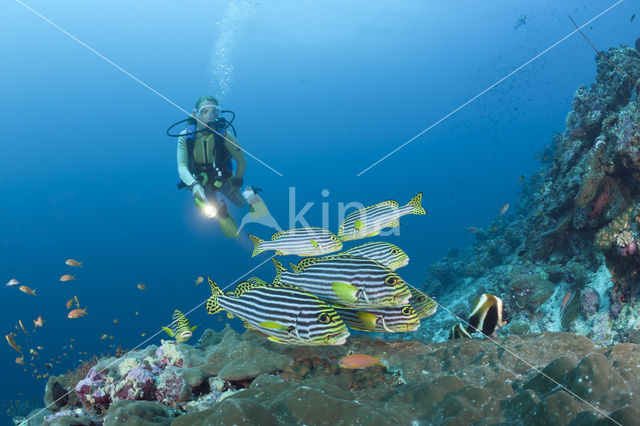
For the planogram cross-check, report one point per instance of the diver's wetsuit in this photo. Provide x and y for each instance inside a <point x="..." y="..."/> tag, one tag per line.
<point x="202" y="160"/>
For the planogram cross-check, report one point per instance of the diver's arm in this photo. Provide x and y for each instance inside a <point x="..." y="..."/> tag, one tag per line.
<point x="183" y="162"/>
<point x="236" y="153"/>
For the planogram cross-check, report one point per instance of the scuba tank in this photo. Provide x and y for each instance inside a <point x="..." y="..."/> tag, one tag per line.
<point x="257" y="207"/>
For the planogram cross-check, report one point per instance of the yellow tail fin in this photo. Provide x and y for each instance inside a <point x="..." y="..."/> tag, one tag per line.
<point x="416" y="202"/>
<point x="256" y="248"/>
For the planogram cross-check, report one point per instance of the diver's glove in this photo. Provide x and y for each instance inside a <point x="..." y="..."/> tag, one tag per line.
<point x="198" y="191"/>
<point x="236" y="181"/>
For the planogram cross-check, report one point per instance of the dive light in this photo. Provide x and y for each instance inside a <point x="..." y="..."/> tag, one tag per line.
<point x="207" y="208"/>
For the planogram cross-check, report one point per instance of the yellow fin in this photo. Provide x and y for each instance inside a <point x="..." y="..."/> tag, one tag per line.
<point x="368" y="319"/>
<point x="273" y="324"/>
<point x="391" y="203"/>
<point x="345" y="291"/>
<point x="280" y="269"/>
<point x="306" y="262"/>
<point x="193" y="328"/>
<point x="275" y="339"/>
<point x="394" y="223"/>
<point x="416" y="203"/>
<point x="256" y="248"/>
<point x="169" y="331"/>
<point x="248" y="326"/>
<point x="358" y="225"/>
<point x="315" y="244"/>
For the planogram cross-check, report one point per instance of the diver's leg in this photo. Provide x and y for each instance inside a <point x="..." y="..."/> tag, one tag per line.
<point x="233" y="194"/>
<point x="227" y="225"/>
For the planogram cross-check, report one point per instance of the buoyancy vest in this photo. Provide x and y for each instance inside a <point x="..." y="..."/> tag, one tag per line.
<point x="220" y="166"/>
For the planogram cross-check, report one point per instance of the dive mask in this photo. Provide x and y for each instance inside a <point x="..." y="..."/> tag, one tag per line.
<point x="207" y="112"/>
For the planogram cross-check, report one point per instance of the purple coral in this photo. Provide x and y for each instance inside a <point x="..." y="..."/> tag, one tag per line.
<point x="590" y="302"/>
<point x="629" y="249"/>
<point x="166" y="360"/>
<point x="171" y="388"/>
<point x="137" y="384"/>
<point x="90" y="391"/>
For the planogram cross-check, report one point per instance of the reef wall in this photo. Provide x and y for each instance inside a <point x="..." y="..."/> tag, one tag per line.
<point x="568" y="257"/>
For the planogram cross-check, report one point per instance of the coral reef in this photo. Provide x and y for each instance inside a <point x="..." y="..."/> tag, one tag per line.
<point x="453" y="382"/>
<point x="568" y="259"/>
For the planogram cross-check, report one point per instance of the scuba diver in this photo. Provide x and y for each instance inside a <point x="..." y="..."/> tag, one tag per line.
<point x="205" y="150"/>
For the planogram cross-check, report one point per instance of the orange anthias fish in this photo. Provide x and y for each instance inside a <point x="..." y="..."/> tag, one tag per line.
<point x="504" y="209"/>
<point x="73" y="262"/>
<point x="67" y="277"/>
<point x="22" y="327"/>
<point x="69" y="303"/>
<point x="142" y="286"/>
<point x="27" y="290"/>
<point x="12" y="343"/>
<point x="20" y="360"/>
<point x="38" y="322"/>
<point x="77" y="313"/>
<point x="199" y="280"/>
<point x="77" y="301"/>
<point x="472" y="229"/>
<point x="357" y="361"/>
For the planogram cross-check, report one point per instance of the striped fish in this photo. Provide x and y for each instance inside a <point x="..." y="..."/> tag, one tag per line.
<point x="180" y="327"/>
<point x="486" y="315"/>
<point x="349" y="281"/>
<point x="301" y="241"/>
<point x="459" y="332"/>
<point x="369" y="221"/>
<point x="285" y="313"/>
<point x="422" y="303"/>
<point x="392" y="319"/>
<point x="388" y="254"/>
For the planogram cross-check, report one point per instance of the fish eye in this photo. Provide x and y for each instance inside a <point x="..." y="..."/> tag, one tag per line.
<point x="391" y="280"/>
<point x="406" y="310"/>
<point x="395" y="251"/>
<point x="324" y="318"/>
<point x="334" y="238"/>
<point x="420" y="299"/>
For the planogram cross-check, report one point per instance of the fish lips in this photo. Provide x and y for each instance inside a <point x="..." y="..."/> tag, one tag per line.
<point x="338" y="338"/>
<point x="184" y="336"/>
<point x="405" y="298"/>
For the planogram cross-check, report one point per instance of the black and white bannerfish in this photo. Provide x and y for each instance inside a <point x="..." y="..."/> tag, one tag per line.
<point x="369" y="221"/>
<point x="486" y="315"/>
<point x="423" y="304"/>
<point x="392" y="319"/>
<point x="459" y="332"/>
<point x="349" y="281"/>
<point x="180" y="327"/>
<point x="302" y="242"/>
<point x="284" y="313"/>
<point x="388" y="254"/>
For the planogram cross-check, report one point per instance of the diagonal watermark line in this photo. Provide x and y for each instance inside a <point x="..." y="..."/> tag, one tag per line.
<point x="382" y="159"/>
<point x="489" y="88"/>
<point x="26" y="421"/>
<point x="532" y="366"/>
<point x="128" y="74"/>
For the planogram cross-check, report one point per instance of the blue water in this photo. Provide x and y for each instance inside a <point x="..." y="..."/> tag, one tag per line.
<point x="321" y="90"/>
